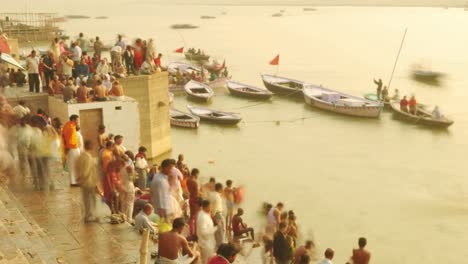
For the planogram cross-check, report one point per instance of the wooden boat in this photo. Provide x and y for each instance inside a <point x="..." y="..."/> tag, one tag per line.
<point x="283" y="86"/>
<point x="181" y="119"/>
<point x="426" y="75"/>
<point x="341" y="103"/>
<point x="198" y="91"/>
<point x="182" y="67"/>
<point x="215" y="67"/>
<point x="218" y="83"/>
<point x="183" y="26"/>
<point x="215" y="116"/>
<point x="309" y="9"/>
<point x="248" y="91"/>
<point x="422" y="117"/>
<point x="196" y="57"/>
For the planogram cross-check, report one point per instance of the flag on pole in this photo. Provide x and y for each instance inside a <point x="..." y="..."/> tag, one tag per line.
<point x="179" y="50"/>
<point x="275" y="61"/>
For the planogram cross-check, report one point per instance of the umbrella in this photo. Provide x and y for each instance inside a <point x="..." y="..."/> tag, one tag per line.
<point x="8" y="59"/>
<point x="4" y="47"/>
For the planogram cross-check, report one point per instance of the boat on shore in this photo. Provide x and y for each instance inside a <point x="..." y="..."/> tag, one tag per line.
<point x="198" y="91"/>
<point x="341" y="103"/>
<point x="248" y="91"/>
<point x="422" y="117"/>
<point x="215" y="116"/>
<point x="181" y="119"/>
<point x="283" y="86"/>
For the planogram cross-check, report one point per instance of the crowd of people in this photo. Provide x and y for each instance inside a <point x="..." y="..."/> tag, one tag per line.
<point x="81" y="63"/>
<point x="164" y="198"/>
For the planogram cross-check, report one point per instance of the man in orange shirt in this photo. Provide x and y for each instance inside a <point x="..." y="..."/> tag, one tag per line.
<point x="361" y="256"/>
<point x="70" y="142"/>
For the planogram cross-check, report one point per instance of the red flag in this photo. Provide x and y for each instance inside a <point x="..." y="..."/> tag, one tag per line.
<point x="275" y="61"/>
<point x="179" y="50"/>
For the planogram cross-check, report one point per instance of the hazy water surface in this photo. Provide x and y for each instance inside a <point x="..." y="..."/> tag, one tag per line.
<point x="401" y="186"/>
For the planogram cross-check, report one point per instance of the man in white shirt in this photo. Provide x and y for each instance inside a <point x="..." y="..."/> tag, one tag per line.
<point x="103" y="67"/>
<point x="21" y="109"/>
<point x="329" y="253"/>
<point x="160" y="190"/>
<point x="216" y="201"/>
<point x="142" y="221"/>
<point x="32" y="65"/>
<point x="205" y="232"/>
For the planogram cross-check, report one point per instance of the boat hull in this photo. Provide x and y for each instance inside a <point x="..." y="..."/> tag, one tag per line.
<point x="367" y="112"/>
<point x="256" y="96"/>
<point x="419" y="120"/>
<point x="199" y="98"/>
<point x="185" y="123"/>
<point x="220" y="121"/>
<point x="282" y="90"/>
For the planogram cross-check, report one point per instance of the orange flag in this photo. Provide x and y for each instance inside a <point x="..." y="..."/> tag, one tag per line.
<point x="179" y="50"/>
<point x="275" y="61"/>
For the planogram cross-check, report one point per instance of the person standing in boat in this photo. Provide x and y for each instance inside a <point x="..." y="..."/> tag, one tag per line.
<point x="379" y="84"/>
<point x="385" y="94"/>
<point x="436" y="113"/>
<point x="404" y="104"/>
<point x="396" y="95"/>
<point x="412" y="105"/>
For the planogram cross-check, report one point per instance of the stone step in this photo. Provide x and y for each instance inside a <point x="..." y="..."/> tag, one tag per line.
<point x="22" y="240"/>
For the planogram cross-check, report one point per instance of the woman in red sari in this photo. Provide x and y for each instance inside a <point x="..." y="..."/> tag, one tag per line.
<point x="112" y="185"/>
<point x="138" y="54"/>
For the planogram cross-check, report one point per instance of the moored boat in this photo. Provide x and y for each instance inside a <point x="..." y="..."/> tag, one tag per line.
<point x="181" y="119"/>
<point x="422" y="117"/>
<point x="341" y="103"/>
<point x="387" y="103"/>
<point x="283" y="86"/>
<point x="198" y="91"/>
<point x="248" y="91"/>
<point x="215" y="116"/>
<point x="196" y="57"/>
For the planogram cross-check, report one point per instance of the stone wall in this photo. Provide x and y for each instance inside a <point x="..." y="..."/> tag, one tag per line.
<point x="151" y="92"/>
<point x="119" y="117"/>
<point x="33" y="101"/>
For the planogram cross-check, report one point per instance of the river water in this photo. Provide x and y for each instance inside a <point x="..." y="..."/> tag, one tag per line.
<point x="403" y="187"/>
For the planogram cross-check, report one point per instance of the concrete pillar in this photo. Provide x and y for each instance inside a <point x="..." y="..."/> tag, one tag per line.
<point x="151" y="93"/>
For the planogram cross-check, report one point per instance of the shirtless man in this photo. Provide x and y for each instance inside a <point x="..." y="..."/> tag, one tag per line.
<point x="116" y="89"/>
<point x="208" y="187"/>
<point x="102" y="136"/>
<point x="229" y="196"/>
<point x="100" y="92"/>
<point x="170" y="244"/>
<point x="239" y="227"/>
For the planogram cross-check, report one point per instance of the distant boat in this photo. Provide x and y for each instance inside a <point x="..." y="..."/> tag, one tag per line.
<point x="283" y="86"/>
<point x="422" y="118"/>
<point x="101" y="17"/>
<point x="183" y="26"/>
<point x="207" y="17"/>
<point x="77" y="17"/>
<point x="309" y="9"/>
<point x="196" y="57"/>
<point x="277" y="15"/>
<point x="198" y="91"/>
<point x="220" y="117"/>
<point x="181" y="119"/>
<point x="341" y="103"/>
<point x="424" y="74"/>
<point x="248" y="91"/>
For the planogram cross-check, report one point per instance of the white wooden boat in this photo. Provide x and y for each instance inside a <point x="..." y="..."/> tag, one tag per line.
<point x="215" y="116"/>
<point x="341" y="103"/>
<point x="181" y="119"/>
<point x="198" y="91"/>
<point x="248" y="91"/>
